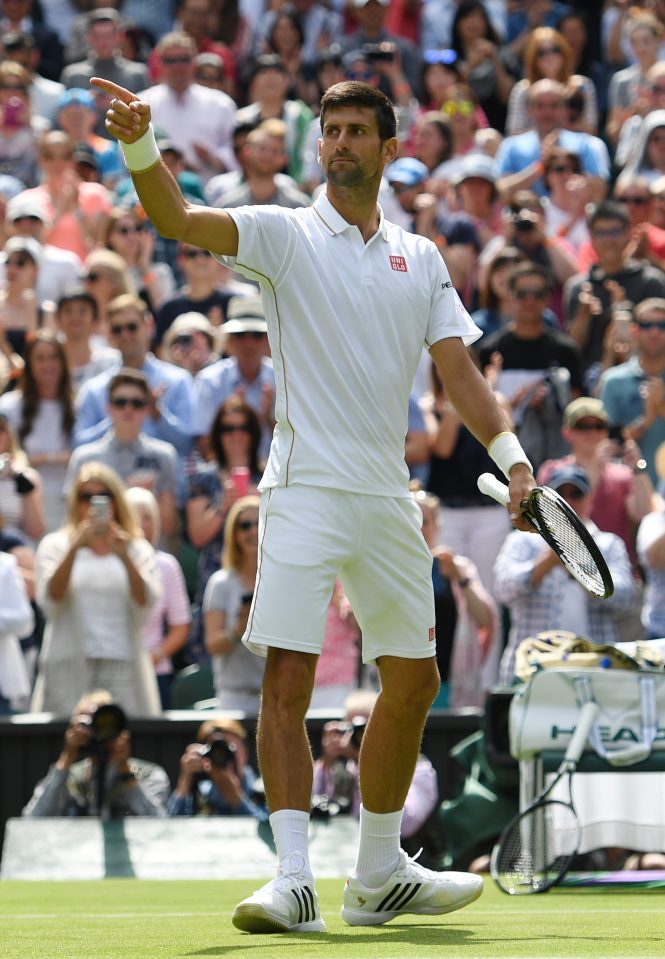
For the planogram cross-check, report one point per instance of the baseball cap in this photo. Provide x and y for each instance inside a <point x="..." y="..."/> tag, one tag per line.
<point x="476" y="165"/>
<point x="24" y="244"/>
<point x="78" y="97"/>
<point x="191" y="322"/>
<point x="571" y="474"/>
<point x="582" y="407"/>
<point x="408" y="171"/>
<point x="20" y="206"/>
<point x="244" y="314"/>
<point x="85" y="154"/>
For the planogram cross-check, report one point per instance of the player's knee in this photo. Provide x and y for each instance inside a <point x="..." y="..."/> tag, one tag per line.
<point x="288" y="682"/>
<point x="412" y="685"/>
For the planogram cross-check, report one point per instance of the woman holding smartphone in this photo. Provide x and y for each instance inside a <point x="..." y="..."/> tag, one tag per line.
<point x="96" y="581"/>
<point x="237" y="673"/>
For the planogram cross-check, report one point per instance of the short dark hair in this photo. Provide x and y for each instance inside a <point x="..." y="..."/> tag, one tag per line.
<point x="351" y="93"/>
<point x="608" y="210"/>
<point x="75" y="293"/>
<point x="530" y="269"/>
<point x="129" y="377"/>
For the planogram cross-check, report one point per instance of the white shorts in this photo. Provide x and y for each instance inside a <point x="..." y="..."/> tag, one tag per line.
<point x="309" y="535"/>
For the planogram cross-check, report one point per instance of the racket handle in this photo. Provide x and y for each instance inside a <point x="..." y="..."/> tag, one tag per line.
<point x="578" y="739"/>
<point x="491" y="486"/>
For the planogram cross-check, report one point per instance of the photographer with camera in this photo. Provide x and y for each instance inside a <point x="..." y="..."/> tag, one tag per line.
<point x="215" y="777"/>
<point x="95" y="774"/>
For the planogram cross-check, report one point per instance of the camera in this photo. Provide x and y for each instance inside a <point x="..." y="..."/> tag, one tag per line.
<point x="220" y="752"/>
<point x="105" y="724"/>
<point x="379" y="52"/>
<point x="524" y="221"/>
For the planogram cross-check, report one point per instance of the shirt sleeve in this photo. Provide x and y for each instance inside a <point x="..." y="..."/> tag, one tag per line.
<point x="176" y="601"/>
<point x="265" y="242"/>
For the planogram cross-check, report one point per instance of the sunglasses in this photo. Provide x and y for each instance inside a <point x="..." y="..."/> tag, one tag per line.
<point x="128" y="229"/>
<point x="612" y="233"/>
<point x="540" y="294"/>
<point x="93" y="277"/>
<point x="246" y="524"/>
<point x="544" y="51"/>
<point x="227" y="428"/>
<point x="254" y="334"/>
<point x="453" y="107"/>
<point x="571" y="493"/>
<point x="122" y="402"/>
<point x="401" y="187"/>
<point x="652" y="325"/>
<point x="635" y="200"/>
<point x="561" y="168"/>
<point x="193" y="254"/>
<point x="85" y="497"/>
<point x="589" y="427"/>
<point x="117" y="329"/>
<point x="185" y="340"/>
<point x="18" y="260"/>
<point x="172" y="61"/>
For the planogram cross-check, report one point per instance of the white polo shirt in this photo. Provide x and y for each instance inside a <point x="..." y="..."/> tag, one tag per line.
<point x="347" y="321"/>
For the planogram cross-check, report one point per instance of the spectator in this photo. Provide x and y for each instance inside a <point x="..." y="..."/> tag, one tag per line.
<point x="645" y="33"/>
<point x="322" y="27"/>
<point x="567" y="198"/>
<point x="18" y="140"/>
<point x="77" y="116"/>
<point x="433" y="143"/>
<point x="75" y="320"/>
<point x="18" y="15"/>
<point x="197" y="119"/>
<point x="165" y="631"/>
<point x="547" y="55"/>
<point x="58" y="268"/>
<point x="234" y="438"/>
<point x="202" y="292"/>
<point x="267" y="95"/>
<point x="437" y="22"/>
<point x="286" y="37"/>
<point x="216" y="778"/>
<point x="21" y="500"/>
<point x="539" y="368"/>
<point x="247" y="370"/>
<point x="20" y="310"/>
<point x="209" y="71"/>
<point x="647" y="158"/>
<point x="264" y="156"/>
<point x="466" y="617"/>
<point x="633" y="393"/>
<point x="647" y="241"/>
<point x="574" y="26"/>
<point x="496" y="302"/>
<point x="384" y="71"/>
<point x="532" y="582"/>
<point x="238" y="674"/>
<point x="195" y="18"/>
<point x="441" y="71"/>
<point x="476" y="195"/>
<point x="337" y="668"/>
<point x="19" y="47"/>
<point x="41" y="412"/>
<point x="650" y="97"/>
<point x="370" y="17"/>
<point x="523" y="18"/>
<point x="460" y="107"/>
<point x="485" y="66"/>
<point x="96" y="582"/>
<point x="74" y="209"/>
<point x="134" y="240"/>
<point x="98" y="744"/>
<point x="106" y="277"/>
<point x="16" y="621"/>
<point x="615" y="278"/>
<point x="190" y="343"/>
<point x="232" y="25"/>
<point x="138" y="459"/>
<point x="520" y="158"/>
<point x="170" y="417"/>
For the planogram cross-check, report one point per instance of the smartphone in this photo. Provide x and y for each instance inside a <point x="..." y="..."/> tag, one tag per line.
<point x="100" y="508"/>
<point x="14" y="113"/>
<point x="240" y="477"/>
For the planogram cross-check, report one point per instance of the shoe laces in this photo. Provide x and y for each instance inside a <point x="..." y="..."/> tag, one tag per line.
<point x="292" y="866"/>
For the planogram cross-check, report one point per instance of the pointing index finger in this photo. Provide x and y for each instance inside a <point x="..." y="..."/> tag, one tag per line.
<point x="114" y="89"/>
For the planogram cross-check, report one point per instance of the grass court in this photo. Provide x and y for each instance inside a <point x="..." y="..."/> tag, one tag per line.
<point x="141" y="919"/>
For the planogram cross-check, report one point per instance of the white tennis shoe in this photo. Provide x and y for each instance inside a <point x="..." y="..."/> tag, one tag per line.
<point x="286" y="904"/>
<point x="410" y="889"/>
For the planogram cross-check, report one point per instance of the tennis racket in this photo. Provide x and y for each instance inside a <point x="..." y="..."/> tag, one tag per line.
<point x="536" y="848"/>
<point x="562" y="530"/>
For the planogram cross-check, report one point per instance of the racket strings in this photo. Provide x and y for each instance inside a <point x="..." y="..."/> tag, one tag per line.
<point x="536" y="849"/>
<point x="571" y="545"/>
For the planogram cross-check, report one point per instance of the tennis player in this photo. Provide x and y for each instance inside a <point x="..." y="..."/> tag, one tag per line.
<point x="350" y="300"/>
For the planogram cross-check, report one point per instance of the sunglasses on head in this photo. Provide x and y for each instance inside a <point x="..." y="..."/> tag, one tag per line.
<point x="122" y="402"/>
<point x="246" y="524"/>
<point x="539" y="294"/>
<point x="227" y="428"/>
<point x="652" y="325"/>
<point x="193" y="254"/>
<point x="453" y="107"/>
<point x="117" y="328"/>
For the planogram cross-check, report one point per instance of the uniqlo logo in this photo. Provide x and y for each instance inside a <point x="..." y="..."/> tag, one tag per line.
<point x="399" y="263"/>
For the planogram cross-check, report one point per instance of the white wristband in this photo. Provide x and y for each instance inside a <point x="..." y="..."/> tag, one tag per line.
<point x="143" y="153"/>
<point x="506" y="451"/>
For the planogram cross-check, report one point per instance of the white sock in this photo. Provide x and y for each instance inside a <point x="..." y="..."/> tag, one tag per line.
<point x="290" y="829"/>
<point x="378" y="851"/>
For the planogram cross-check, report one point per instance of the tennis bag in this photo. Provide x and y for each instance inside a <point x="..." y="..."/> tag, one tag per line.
<point x="631" y="719"/>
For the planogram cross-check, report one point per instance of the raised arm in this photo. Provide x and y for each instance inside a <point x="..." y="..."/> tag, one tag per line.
<point x="128" y="120"/>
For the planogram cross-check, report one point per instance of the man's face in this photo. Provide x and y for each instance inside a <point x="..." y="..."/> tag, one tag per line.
<point x="350" y="149"/>
<point x="406" y="194"/>
<point x="248" y="346"/>
<point x="75" y="319"/>
<point x="130" y="333"/>
<point x="586" y="434"/>
<point x="195" y="17"/>
<point x="636" y="200"/>
<point x="529" y="295"/>
<point x="178" y="67"/>
<point x="548" y="111"/>
<point x="104" y="39"/>
<point x="128" y="407"/>
<point x="265" y="154"/>
<point x="608" y="238"/>
<point x="649" y="332"/>
<point x="371" y="16"/>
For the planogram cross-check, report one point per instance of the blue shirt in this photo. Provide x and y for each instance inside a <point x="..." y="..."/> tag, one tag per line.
<point x="174" y="424"/>
<point x="216" y="383"/>
<point x="520" y="151"/>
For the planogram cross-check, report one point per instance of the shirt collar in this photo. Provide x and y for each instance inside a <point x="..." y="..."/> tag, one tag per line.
<point x="335" y="222"/>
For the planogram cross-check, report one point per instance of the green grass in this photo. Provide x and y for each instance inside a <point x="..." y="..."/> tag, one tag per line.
<point x="140" y="919"/>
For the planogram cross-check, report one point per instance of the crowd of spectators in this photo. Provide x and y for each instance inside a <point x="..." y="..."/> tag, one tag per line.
<point x="137" y="370"/>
